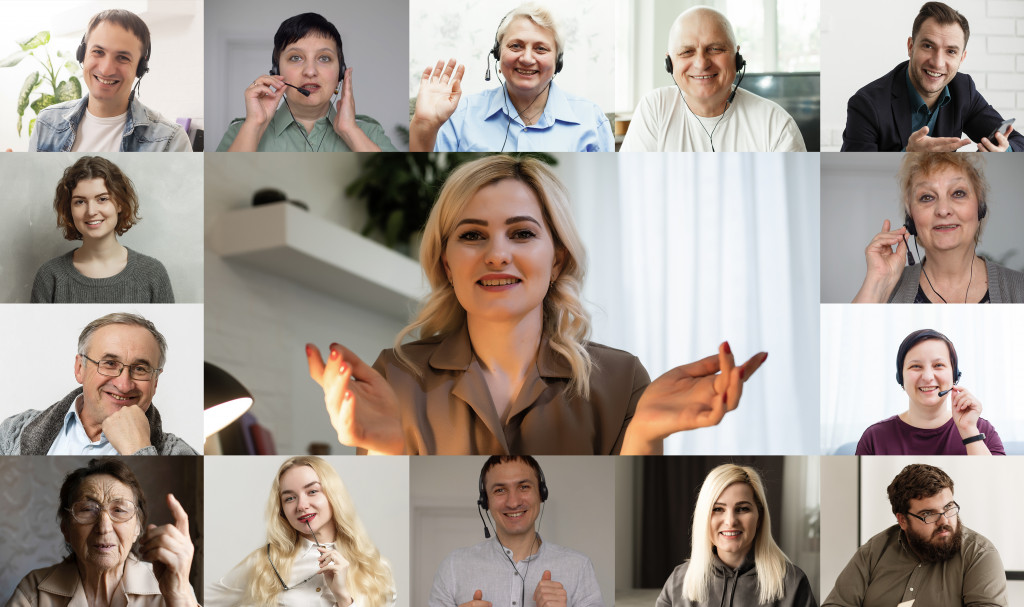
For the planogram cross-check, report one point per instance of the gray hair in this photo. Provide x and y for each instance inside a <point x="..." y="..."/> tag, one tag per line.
<point x="122" y="318"/>
<point x="536" y="13"/>
<point x="723" y="22"/>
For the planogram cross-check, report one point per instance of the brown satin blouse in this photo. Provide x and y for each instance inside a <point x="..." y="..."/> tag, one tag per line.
<point x="449" y="411"/>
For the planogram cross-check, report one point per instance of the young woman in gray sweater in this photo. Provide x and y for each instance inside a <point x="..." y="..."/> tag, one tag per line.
<point x="95" y="202"/>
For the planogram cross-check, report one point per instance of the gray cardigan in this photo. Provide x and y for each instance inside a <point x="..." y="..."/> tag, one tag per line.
<point x="33" y="432"/>
<point x="1004" y="285"/>
<point x="143" y="280"/>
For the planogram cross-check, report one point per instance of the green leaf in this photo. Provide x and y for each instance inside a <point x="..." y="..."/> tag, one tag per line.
<point x="68" y="90"/>
<point x="43" y="102"/>
<point x="30" y="85"/>
<point x="13" y="59"/>
<point x="35" y="41"/>
<point x="31" y="125"/>
<point x="19" y="125"/>
<point x="73" y="67"/>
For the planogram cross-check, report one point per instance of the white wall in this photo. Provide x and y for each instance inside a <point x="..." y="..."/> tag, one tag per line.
<point x="47" y="337"/>
<point x="173" y="86"/>
<point x="858" y="48"/>
<point x="859" y="192"/>
<point x="980" y="487"/>
<point x="464" y="30"/>
<point x="237" y="490"/>
<point x="257" y="325"/>
<point x="578" y="514"/>
<point x="240" y="43"/>
<point x="170" y="192"/>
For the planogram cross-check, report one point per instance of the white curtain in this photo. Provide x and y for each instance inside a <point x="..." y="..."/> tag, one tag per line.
<point x="858" y="363"/>
<point x="689" y="250"/>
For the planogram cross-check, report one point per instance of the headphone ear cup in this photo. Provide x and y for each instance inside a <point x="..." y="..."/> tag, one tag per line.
<point x="909" y="224"/>
<point x="341" y="74"/>
<point x="558" y="63"/>
<point x="273" y="69"/>
<point x="740" y="62"/>
<point x="668" y="64"/>
<point x="496" y="52"/>
<point x="80" y="51"/>
<point x="982" y="210"/>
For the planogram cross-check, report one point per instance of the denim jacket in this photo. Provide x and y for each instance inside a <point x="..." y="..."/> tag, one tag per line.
<point x="144" y="129"/>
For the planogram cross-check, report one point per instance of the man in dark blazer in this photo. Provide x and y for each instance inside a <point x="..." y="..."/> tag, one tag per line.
<point x="924" y="105"/>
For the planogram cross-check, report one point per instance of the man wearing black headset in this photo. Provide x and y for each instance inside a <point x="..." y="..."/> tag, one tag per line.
<point x="515" y="567"/>
<point x="702" y="111"/>
<point x="114" y="52"/>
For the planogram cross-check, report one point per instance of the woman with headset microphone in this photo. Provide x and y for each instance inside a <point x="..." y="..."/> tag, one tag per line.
<point x="945" y="203"/>
<point x="528" y="112"/>
<point x="927" y="368"/>
<point x="308" y="70"/>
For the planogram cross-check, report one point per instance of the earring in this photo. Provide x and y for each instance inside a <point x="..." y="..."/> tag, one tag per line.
<point x="551" y="285"/>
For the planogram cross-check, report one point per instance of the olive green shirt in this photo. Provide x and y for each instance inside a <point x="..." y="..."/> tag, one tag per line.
<point x="885" y="572"/>
<point x="284" y="134"/>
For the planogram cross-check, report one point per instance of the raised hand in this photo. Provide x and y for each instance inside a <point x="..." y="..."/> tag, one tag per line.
<point x="549" y="593"/>
<point x="170" y="549"/>
<point x="363" y="407"/>
<point x="335" y="570"/>
<point x="345" y="119"/>
<point x="884" y="265"/>
<point x="690" y="396"/>
<point x="477" y="601"/>
<point x="438" y="97"/>
<point x="966" y="412"/>
<point x="127" y="430"/>
<point x="920" y="142"/>
<point x="262" y="97"/>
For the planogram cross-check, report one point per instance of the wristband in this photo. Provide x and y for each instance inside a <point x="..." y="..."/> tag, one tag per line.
<point x="974" y="439"/>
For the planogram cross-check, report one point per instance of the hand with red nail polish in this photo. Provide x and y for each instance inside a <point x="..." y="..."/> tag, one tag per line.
<point x="362" y="406"/>
<point x="690" y="396"/>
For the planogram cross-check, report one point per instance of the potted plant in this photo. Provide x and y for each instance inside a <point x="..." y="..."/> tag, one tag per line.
<point x="61" y="90"/>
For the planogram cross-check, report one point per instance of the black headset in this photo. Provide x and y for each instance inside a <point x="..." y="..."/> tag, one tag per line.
<point x="740" y="63"/>
<point x="912" y="229"/>
<point x="496" y="50"/>
<point x="494" y="460"/>
<point x="140" y="69"/>
<point x="917" y="337"/>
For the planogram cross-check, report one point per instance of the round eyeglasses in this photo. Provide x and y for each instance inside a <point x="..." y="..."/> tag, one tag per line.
<point x="113" y="368"/>
<point x="928" y="519"/>
<point x="87" y="512"/>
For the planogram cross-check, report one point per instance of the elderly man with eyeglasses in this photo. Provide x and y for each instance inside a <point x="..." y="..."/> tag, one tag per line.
<point x="927" y="558"/>
<point x="120" y="358"/>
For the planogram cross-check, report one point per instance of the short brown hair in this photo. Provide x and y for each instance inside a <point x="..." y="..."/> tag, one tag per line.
<point x="915" y="482"/>
<point x="926" y="163"/>
<point x="102" y="465"/>
<point x="126" y="20"/>
<point x="943" y="15"/>
<point x="119" y="186"/>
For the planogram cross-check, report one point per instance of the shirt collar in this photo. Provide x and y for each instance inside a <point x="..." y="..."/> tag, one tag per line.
<point x="306" y="546"/>
<point x="917" y="105"/>
<point x="455" y="353"/>
<point x="503" y="551"/>
<point x="557" y="107"/>
<point x="283" y="119"/>
<point x="73" y="422"/>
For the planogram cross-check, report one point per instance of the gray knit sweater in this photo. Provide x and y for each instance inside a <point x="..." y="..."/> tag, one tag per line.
<point x="33" y="432"/>
<point x="1004" y="285"/>
<point x="143" y="280"/>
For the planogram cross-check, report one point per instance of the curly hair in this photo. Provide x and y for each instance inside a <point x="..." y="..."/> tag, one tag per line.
<point x="926" y="163"/>
<point x="119" y="186"/>
<point x="369" y="575"/>
<point x="566" y="322"/>
<point x="916" y="481"/>
<point x="769" y="560"/>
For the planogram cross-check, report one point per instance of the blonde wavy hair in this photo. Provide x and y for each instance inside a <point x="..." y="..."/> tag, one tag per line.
<point x="566" y="322"/>
<point x="369" y="575"/>
<point x="769" y="560"/>
<point x="916" y="164"/>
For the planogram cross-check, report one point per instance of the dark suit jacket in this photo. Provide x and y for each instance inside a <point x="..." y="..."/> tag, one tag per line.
<point x="448" y="409"/>
<point x="878" y="115"/>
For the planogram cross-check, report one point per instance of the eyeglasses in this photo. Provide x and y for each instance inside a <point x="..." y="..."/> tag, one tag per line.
<point x="928" y="519"/>
<point x="87" y="511"/>
<point x="113" y="368"/>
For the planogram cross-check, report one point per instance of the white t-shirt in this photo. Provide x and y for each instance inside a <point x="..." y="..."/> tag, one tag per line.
<point x="663" y="123"/>
<point x="97" y="134"/>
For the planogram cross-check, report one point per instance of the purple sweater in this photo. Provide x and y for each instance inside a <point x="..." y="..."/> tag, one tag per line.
<point x="894" y="436"/>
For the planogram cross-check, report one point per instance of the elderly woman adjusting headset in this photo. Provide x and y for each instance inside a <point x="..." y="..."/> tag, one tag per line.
<point x="308" y="70"/>
<point x="928" y="370"/>
<point x="945" y="203"/>
<point x="528" y="112"/>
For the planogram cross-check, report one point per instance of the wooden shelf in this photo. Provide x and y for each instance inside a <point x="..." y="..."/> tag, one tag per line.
<point x="284" y="240"/>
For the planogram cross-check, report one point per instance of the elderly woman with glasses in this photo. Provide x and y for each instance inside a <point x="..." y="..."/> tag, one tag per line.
<point x="114" y="559"/>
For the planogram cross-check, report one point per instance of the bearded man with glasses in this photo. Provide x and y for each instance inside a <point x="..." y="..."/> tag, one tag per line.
<point x="927" y="558"/>
<point x="120" y="358"/>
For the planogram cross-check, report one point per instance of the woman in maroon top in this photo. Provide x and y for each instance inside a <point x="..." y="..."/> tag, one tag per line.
<point x="926" y="367"/>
